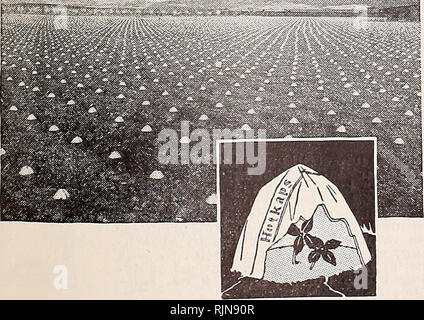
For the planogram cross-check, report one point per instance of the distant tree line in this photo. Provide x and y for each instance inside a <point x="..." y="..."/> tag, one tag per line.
<point x="401" y="13"/>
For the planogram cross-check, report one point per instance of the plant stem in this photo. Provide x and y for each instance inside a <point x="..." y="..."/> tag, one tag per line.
<point x="312" y="265"/>
<point x="294" y="257"/>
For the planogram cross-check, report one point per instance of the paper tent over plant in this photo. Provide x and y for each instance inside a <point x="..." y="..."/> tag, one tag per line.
<point x="299" y="227"/>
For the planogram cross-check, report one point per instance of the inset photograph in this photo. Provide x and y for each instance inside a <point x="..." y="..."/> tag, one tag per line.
<point x="303" y="225"/>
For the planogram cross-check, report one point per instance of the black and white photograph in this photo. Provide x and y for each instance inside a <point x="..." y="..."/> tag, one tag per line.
<point x="110" y="110"/>
<point x="305" y="228"/>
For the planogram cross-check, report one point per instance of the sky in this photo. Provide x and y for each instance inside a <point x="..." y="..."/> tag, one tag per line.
<point x="223" y="3"/>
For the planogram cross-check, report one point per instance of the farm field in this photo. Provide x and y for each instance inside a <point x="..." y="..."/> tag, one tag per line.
<point x="82" y="106"/>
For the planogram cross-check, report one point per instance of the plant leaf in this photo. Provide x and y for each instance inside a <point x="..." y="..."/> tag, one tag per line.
<point x="307" y="225"/>
<point x="314" y="256"/>
<point x="298" y="245"/>
<point x="293" y="230"/>
<point x="332" y="244"/>
<point x="313" y="242"/>
<point x="329" y="257"/>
